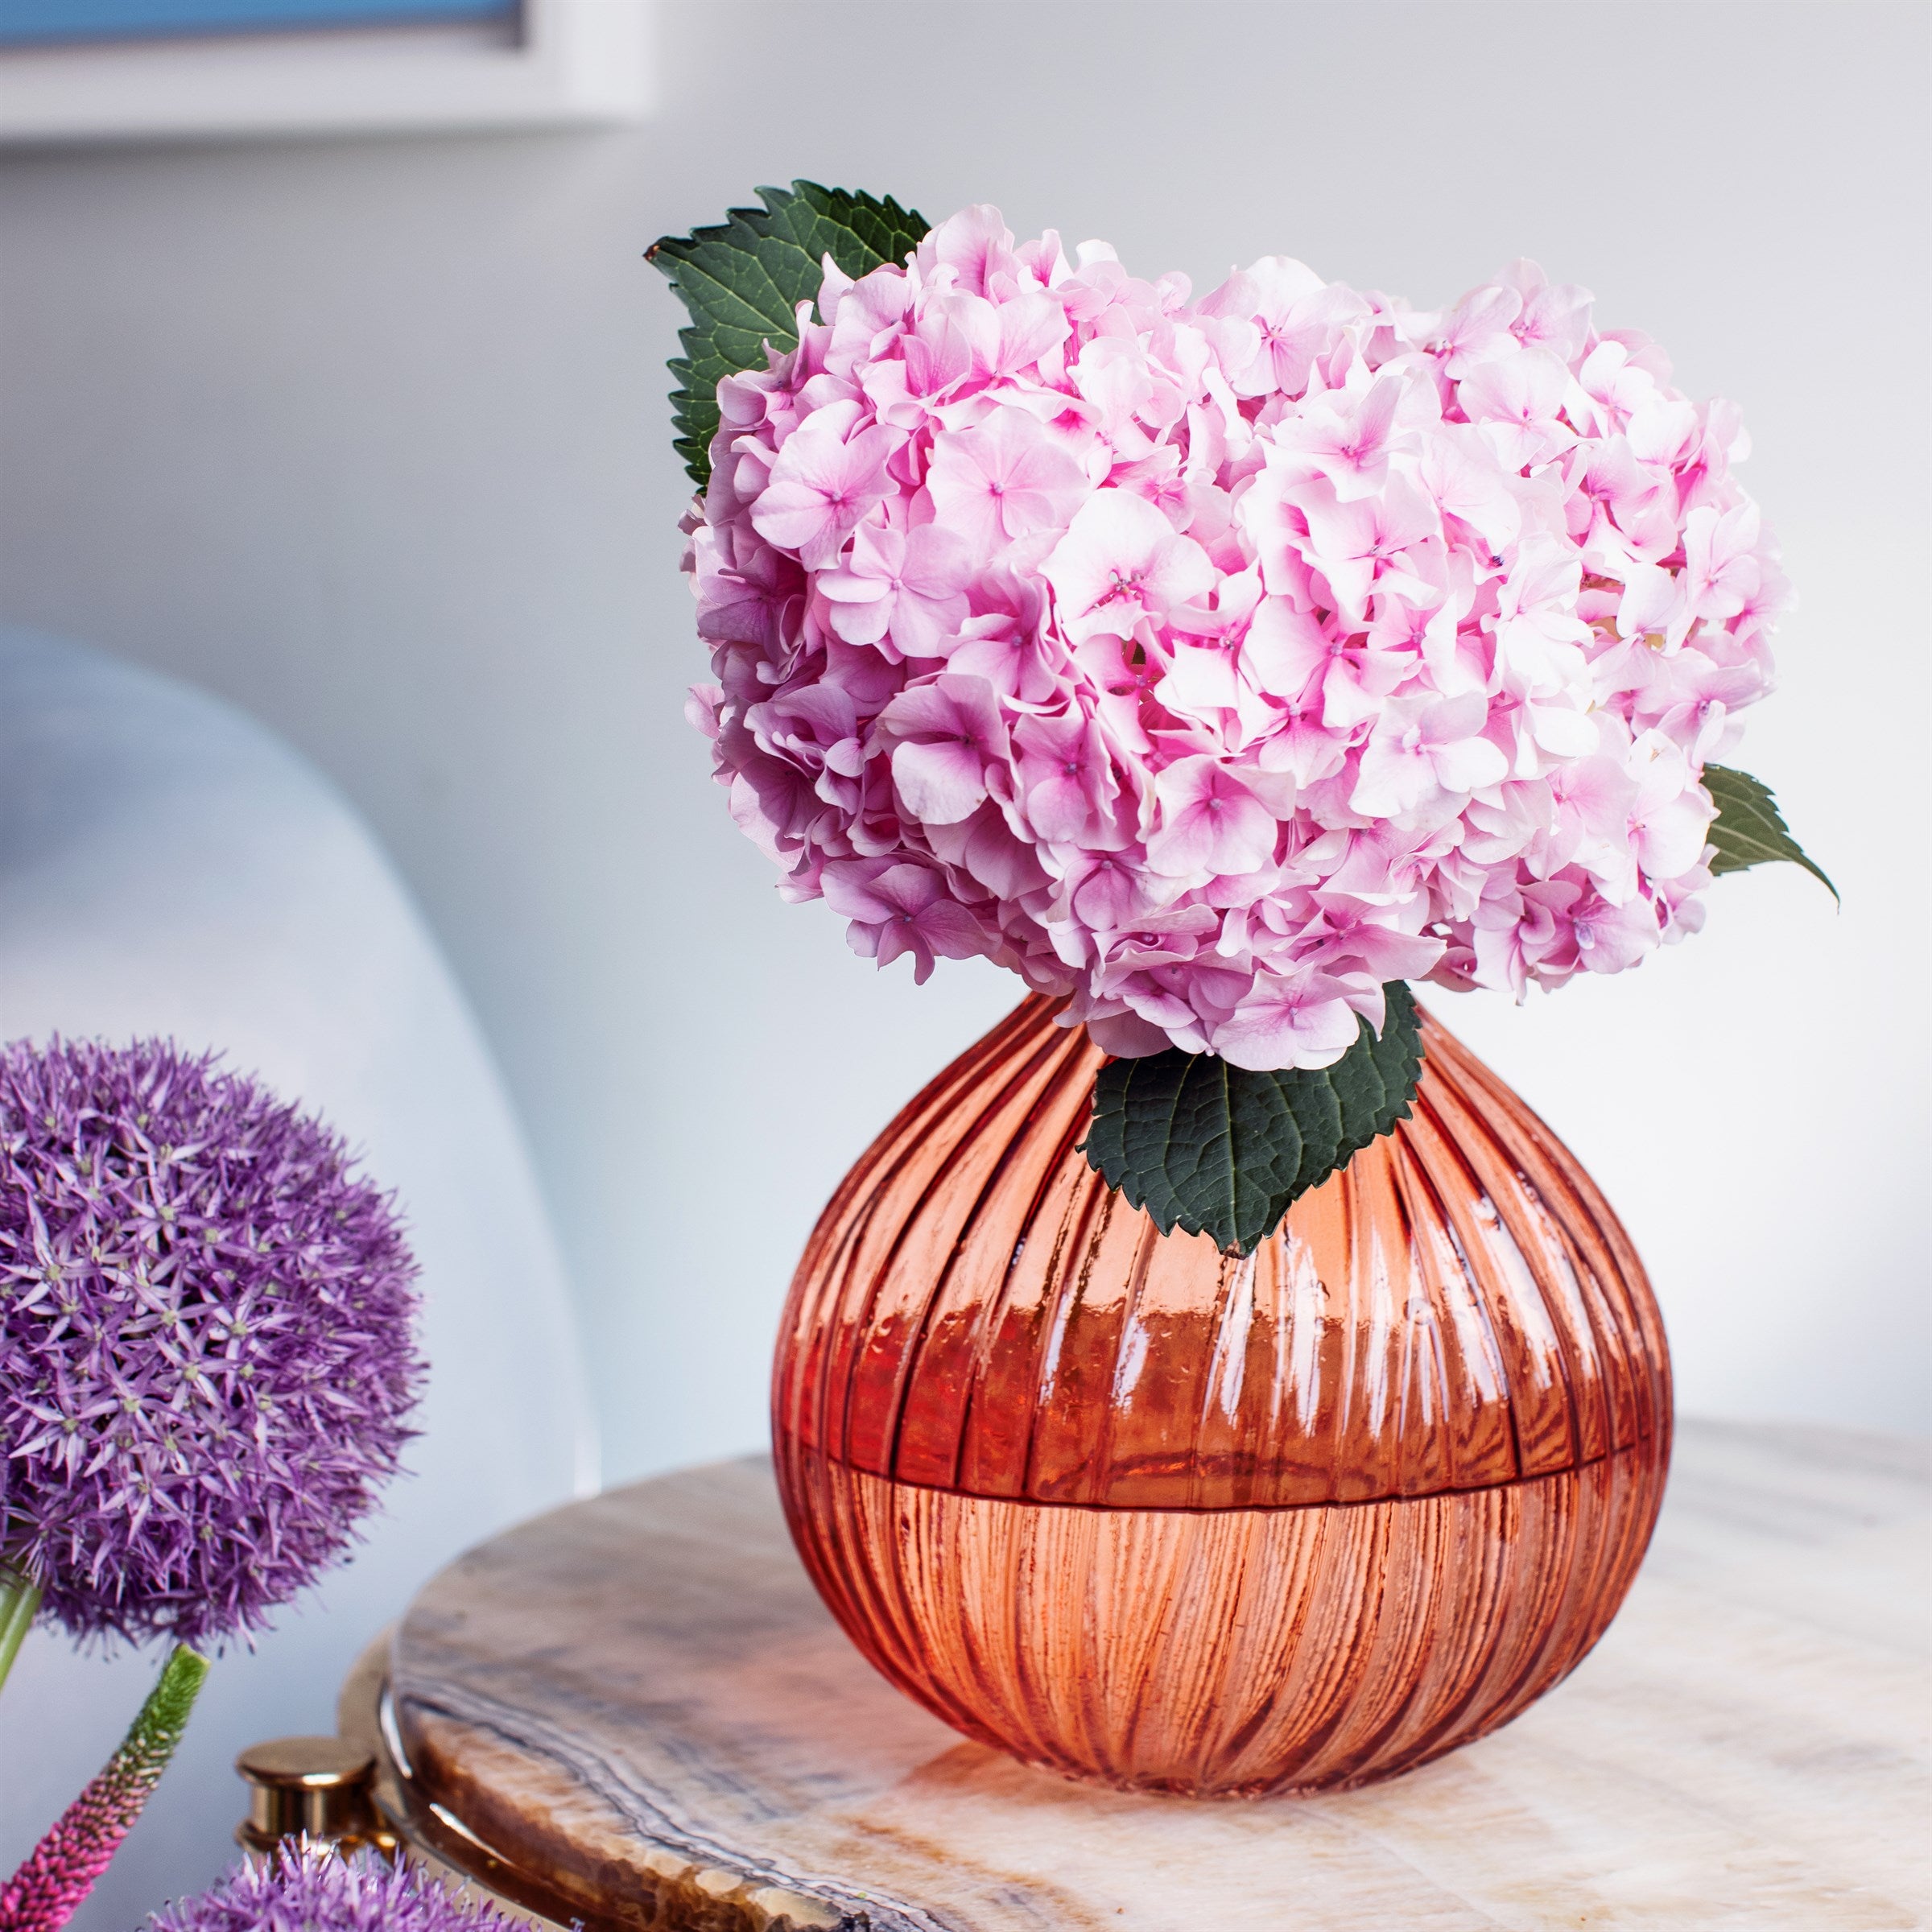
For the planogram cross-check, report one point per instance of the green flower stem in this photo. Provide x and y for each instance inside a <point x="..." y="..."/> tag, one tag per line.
<point x="60" y="1871"/>
<point x="18" y="1601"/>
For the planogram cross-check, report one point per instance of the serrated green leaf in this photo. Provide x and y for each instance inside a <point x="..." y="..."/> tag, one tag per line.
<point x="1214" y="1149"/>
<point x="1748" y="829"/>
<point x="743" y="280"/>
<point x="1394" y="1058"/>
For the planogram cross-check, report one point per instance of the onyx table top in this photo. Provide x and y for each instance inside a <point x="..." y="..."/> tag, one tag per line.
<point x="635" y="1711"/>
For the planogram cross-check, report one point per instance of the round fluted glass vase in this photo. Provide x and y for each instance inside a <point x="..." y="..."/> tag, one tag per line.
<point x="1139" y="1512"/>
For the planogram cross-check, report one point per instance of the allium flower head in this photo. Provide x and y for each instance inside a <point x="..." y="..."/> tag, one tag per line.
<point x="312" y="1890"/>
<point x="1216" y="663"/>
<point x="206" y="1358"/>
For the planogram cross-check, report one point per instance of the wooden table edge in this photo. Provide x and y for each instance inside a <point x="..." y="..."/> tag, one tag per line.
<point x="431" y="1838"/>
<point x="434" y="1838"/>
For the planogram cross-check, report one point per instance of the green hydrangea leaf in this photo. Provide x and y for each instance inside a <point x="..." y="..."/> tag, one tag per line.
<point x="1748" y="829"/>
<point x="1213" y="1148"/>
<point x="743" y="280"/>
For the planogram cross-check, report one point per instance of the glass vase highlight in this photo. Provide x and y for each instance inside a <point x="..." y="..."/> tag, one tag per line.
<point x="1137" y="1511"/>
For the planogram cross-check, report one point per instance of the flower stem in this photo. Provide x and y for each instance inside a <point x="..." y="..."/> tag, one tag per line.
<point x="60" y="1871"/>
<point x="18" y="1601"/>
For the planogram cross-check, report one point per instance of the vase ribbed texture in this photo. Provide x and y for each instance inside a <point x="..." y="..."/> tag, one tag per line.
<point x="1137" y="1511"/>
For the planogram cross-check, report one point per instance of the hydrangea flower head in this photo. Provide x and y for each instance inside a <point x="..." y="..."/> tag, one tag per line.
<point x="1216" y="662"/>
<point x="206" y="1350"/>
<point x="311" y="1888"/>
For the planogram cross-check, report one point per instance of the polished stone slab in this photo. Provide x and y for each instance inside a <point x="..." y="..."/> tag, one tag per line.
<point x="638" y="1705"/>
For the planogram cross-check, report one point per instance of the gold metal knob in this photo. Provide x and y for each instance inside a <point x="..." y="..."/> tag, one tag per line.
<point x="318" y="1787"/>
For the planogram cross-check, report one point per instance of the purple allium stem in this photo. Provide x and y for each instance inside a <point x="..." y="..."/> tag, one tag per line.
<point x="60" y="1871"/>
<point x="18" y="1601"/>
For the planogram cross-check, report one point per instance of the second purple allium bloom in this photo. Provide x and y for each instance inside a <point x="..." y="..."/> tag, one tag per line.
<point x="312" y="1890"/>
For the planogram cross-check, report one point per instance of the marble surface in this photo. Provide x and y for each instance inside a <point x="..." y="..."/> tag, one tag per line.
<point x="638" y="1702"/>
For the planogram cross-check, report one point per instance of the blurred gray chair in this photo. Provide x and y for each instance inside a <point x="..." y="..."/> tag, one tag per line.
<point x="168" y="866"/>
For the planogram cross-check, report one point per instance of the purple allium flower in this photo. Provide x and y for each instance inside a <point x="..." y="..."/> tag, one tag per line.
<point x="60" y="1871"/>
<point x="206" y="1360"/>
<point x="314" y="1890"/>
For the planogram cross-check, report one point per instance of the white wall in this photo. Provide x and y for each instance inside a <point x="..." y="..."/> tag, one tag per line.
<point x="372" y="438"/>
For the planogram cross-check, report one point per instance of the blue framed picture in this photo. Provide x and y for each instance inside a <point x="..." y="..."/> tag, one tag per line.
<point x="76" y="22"/>
<point x="198" y="70"/>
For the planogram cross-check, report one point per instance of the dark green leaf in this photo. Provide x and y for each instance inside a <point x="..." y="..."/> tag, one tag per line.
<point x="1748" y="829"/>
<point x="1214" y="1149"/>
<point x="743" y="282"/>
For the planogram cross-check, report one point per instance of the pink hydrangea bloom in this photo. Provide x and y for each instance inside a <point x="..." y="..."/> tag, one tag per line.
<point x="1215" y="663"/>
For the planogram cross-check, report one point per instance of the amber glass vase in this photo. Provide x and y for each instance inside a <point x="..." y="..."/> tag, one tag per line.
<point x="1140" y="1512"/>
